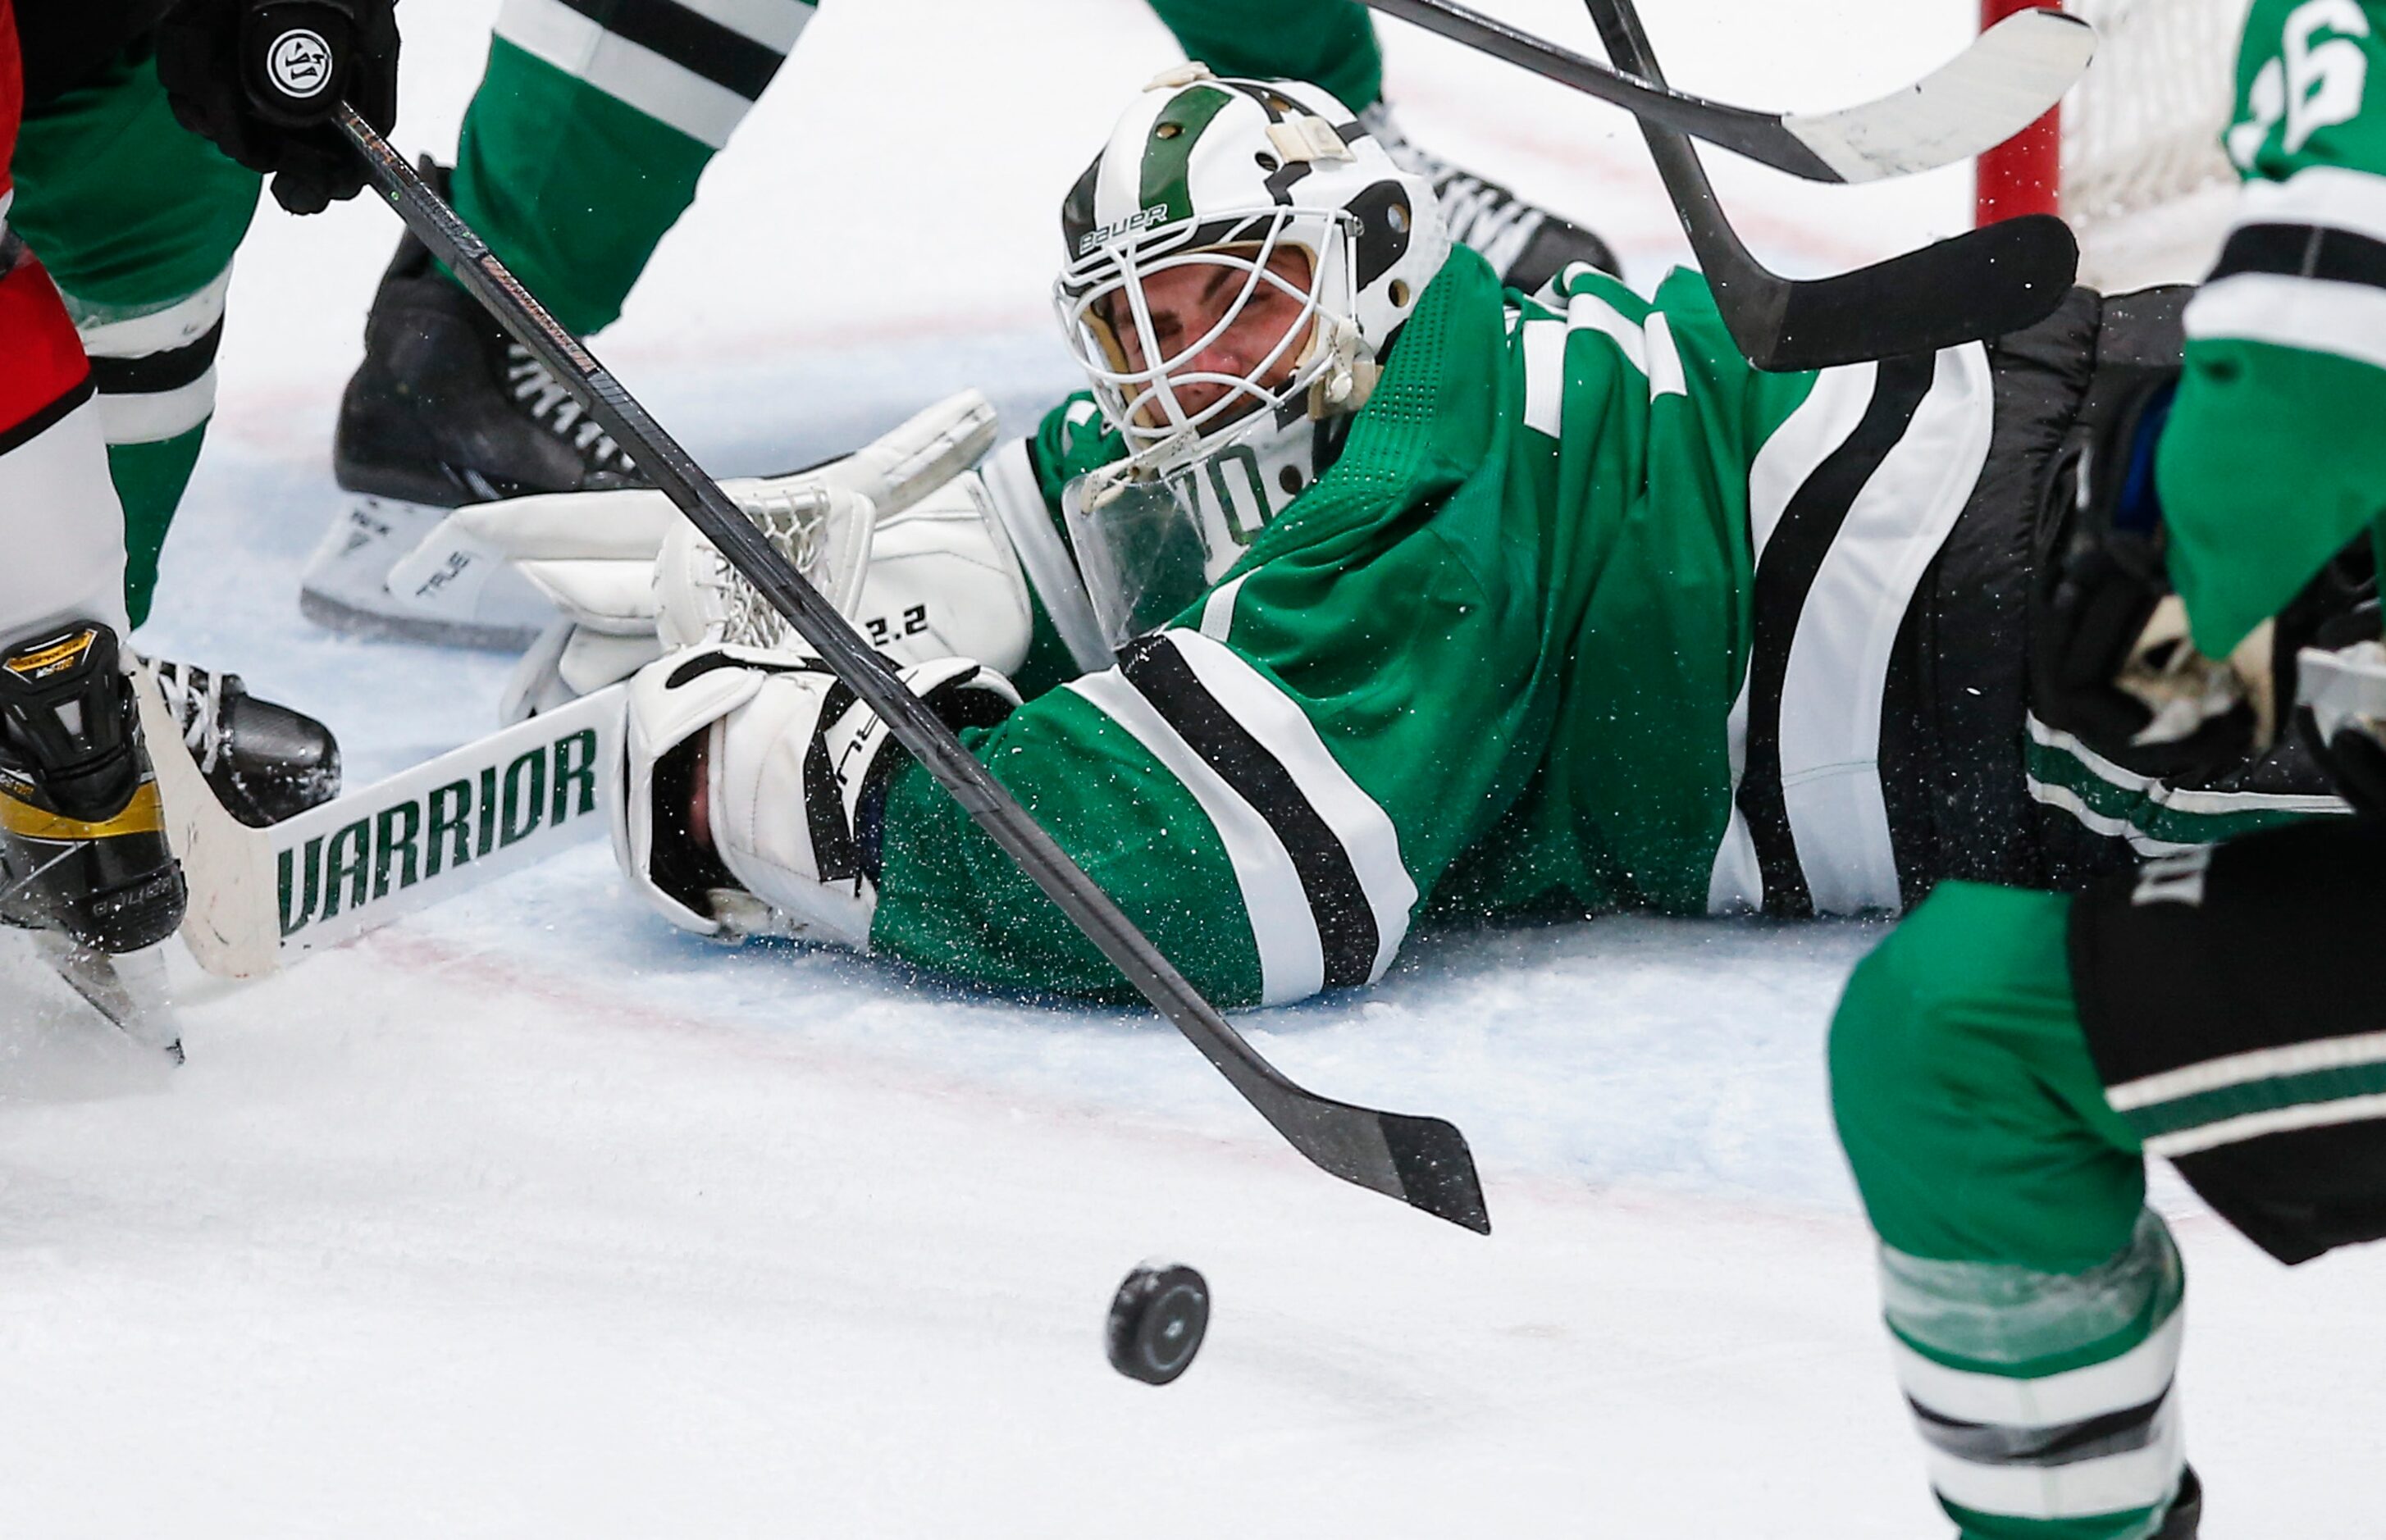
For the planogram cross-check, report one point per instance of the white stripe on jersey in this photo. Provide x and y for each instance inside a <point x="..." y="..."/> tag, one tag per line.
<point x="2314" y="315"/>
<point x="636" y="77"/>
<point x="1292" y="960"/>
<point x="2049" y="794"/>
<point x="1839" y="660"/>
<point x="2278" y="1120"/>
<point x="1218" y="609"/>
<point x="2213" y="1075"/>
<point x="2331" y="195"/>
<point x="1649" y="348"/>
<point x="1807" y="437"/>
<point x="2192" y="800"/>
<point x="1359" y="824"/>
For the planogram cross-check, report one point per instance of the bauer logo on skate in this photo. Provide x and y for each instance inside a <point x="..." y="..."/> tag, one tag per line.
<point x="410" y="839"/>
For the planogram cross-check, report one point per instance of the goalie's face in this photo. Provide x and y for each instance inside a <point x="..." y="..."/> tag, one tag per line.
<point x="1183" y="340"/>
<point x="1221" y="333"/>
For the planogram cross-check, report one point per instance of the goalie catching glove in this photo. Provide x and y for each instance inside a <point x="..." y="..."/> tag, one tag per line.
<point x="903" y="537"/>
<point x="755" y="788"/>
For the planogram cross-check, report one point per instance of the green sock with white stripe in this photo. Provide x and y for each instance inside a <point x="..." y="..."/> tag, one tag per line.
<point x="2033" y="1299"/>
<point x="2044" y="1399"/>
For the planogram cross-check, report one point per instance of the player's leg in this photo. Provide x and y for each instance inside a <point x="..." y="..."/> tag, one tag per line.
<point x="83" y="845"/>
<point x="1332" y="43"/>
<point x="593" y="122"/>
<point x="136" y="220"/>
<point x="139" y="219"/>
<point x="2033" y="1299"/>
<point x="581" y="148"/>
<point x="1327" y="42"/>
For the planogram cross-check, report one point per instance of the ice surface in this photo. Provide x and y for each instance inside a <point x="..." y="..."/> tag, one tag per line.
<point x="531" y="1217"/>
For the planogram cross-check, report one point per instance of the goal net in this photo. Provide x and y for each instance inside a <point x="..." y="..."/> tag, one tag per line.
<point x="2143" y="179"/>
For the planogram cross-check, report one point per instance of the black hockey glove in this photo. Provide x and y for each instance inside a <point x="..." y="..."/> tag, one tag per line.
<point x="2111" y="661"/>
<point x="262" y="79"/>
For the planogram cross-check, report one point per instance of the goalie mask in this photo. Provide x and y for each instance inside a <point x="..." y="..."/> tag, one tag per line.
<point x="1240" y="255"/>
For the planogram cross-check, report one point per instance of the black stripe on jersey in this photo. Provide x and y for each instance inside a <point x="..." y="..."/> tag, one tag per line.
<point x="1346" y="922"/>
<point x="1793" y="559"/>
<point x="698" y="42"/>
<point x="154" y="373"/>
<point x="2303" y="251"/>
<point x="2110" y="1433"/>
<point x="47" y="418"/>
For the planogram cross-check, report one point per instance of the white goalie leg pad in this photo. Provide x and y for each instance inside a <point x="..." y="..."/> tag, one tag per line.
<point x="797" y="783"/>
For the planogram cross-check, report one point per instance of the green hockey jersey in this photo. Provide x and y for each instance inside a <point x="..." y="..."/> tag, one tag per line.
<point x="2274" y="455"/>
<point x="1497" y="658"/>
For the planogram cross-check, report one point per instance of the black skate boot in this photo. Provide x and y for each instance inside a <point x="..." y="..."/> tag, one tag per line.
<point x="1525" y="244"/>
<point x="446" y="409"/>
<point x="2186" y="1510"/>
<point x="83" y="834"/>
<point x="264" y="762"/>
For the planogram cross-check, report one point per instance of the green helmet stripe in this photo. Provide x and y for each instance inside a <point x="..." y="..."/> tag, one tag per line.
<point x="1168" y="151"/>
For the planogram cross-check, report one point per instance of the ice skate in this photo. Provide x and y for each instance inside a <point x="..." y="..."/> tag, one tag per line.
<point x="84" y="863"/>
<point x="445" y="410"/>
<point x="264" y="761"/>
<point x="82" y="832"/>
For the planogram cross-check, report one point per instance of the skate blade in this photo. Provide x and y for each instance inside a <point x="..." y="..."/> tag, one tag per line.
<point x="345" y="586"/>
<point x="128" y="989"/>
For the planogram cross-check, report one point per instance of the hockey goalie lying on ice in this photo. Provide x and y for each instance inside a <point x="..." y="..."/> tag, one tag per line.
<point x="1357" y="591"/>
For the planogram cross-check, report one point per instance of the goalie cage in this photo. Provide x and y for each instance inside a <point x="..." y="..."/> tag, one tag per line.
<point x="2132" y="159"/>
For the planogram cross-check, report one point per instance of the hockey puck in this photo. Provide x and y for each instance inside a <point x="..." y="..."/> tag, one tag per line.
<point x="1157" y="1321"/>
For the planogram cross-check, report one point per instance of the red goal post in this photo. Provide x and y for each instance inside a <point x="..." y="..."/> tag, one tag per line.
<point x="2024" y="175"/>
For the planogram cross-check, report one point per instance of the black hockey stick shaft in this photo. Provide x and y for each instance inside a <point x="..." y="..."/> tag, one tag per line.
<point x="1422" y="1161"/>
<point x="1982" y="283"/>
<point x="1758" y="135"/>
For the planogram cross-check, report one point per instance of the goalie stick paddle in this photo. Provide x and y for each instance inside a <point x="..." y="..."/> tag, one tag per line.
<point x="1984" y="283"/>
<point x="1422" y="1161"/>
<point x="2000" y="85"/>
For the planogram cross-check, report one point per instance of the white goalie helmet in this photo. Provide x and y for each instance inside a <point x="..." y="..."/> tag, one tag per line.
<point x="1239" y="257"/>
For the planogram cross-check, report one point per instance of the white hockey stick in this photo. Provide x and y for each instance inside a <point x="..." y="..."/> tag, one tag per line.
<point x="2000" y="85"/>
<point x="261" y="899"/>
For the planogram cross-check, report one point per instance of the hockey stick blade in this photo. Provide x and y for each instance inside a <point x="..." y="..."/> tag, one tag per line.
<point x="261" y="899"/>
<point x="1421" y="1163"/>
<point x="1982" y="283"/>
<point x="2004" y="277"/>
<point x="2008" y="79"/>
